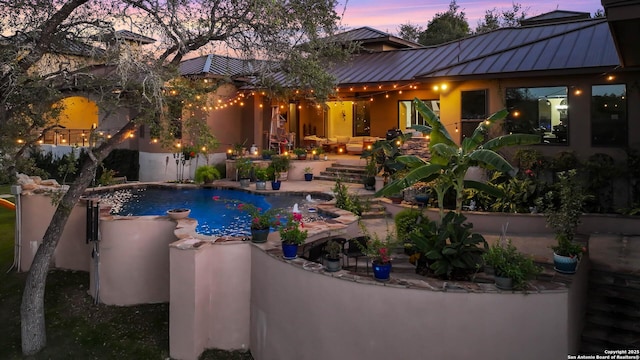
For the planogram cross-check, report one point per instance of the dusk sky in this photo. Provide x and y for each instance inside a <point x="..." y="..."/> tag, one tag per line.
<point x="387" y="16"/>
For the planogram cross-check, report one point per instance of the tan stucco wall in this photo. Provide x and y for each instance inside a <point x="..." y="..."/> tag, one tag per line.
<point x="298" y="314"/>
<point x="209" y="306"/>
<point x="134" y="260"/>
<point x="72" y="251"/>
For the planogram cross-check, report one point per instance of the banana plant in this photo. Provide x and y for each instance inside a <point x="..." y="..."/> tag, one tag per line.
<point x="449" y="161"/>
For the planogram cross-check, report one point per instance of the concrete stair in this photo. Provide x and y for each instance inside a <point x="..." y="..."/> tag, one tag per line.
<point x="613" y="312"/>
<point x="376" y="210"/>
<point x="346" y="172"/>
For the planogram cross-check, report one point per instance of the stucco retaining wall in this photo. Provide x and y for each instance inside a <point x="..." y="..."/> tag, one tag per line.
<point x="134" y="260"/>
<point x="298" y="314"/>
<point x="72" y="252"/>
<point x="210" y="294"/>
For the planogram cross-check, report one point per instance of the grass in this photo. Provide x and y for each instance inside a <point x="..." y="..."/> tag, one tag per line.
<point x="76" y="327"/>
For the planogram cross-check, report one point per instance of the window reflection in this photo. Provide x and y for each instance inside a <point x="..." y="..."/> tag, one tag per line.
<point x="609" y="115"/>
<point x="539" y="110"/>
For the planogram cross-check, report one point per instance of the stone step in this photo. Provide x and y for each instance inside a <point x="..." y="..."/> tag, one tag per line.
<point x="614" y="291"/>
<point x="613" y="306"/>
<point x="375" y="214"/>
<point x="597" y="277"/>
<point x="351" y="180"/>
<point x="609" y="338"/>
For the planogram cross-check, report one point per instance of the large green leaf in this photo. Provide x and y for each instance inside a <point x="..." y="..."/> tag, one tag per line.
<point x="483" y="187"/>
<point x="423" y="173"/>
<point x="442" y="153"/>
<point x="492" y="159"/>
<point x="422" y="128"/>
<point x="411" y="161"/>
<point x="511" y="140"/>
<point x="439" y="133"/>
<point x="477" y="138"/>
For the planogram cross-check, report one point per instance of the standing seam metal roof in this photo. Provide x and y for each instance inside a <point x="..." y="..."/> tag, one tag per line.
<point x="578" y="44"/>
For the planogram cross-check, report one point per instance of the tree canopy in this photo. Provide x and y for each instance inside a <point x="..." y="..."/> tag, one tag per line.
<point x="53" y="49"/>
<point x="494" y="18"/>
<point x="444" y="27"/>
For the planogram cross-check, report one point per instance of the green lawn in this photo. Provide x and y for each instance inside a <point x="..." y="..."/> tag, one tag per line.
<point x="77" y="328"/>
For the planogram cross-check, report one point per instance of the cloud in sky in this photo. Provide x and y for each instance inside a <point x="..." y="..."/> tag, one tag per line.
<point x="387" y="15"/>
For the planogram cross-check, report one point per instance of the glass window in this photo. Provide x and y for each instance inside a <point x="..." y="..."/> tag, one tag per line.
<point x="539" y="110"/>
<point x="362" y="119"/>
<point x="474" y="104"/>
<point x="473" y="110"/>
<point x="609" y="115"/>
<point x="409" y="116"/>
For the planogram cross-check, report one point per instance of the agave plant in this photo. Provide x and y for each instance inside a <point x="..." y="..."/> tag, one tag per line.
<point x="449" y="161"/>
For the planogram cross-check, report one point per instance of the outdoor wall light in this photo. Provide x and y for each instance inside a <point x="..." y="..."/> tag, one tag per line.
<point x="578" y="92"/>
<point x="154" y="141"/>
<point x="229" y="151"/>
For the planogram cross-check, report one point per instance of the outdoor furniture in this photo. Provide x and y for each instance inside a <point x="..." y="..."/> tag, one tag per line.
<point x="315" y="252"/>
<point x="353" y="250"/>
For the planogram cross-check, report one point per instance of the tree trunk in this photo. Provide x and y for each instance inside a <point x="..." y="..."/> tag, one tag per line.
<point x="33" y="330"/>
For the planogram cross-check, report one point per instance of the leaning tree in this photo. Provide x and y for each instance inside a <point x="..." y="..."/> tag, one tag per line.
<point x="283" y="40"/>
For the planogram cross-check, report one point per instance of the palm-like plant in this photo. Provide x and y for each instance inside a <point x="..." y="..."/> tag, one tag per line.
<point x="450" y="161"/>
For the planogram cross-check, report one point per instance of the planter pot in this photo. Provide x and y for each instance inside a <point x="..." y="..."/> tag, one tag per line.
<point x="261" y="185"/>
<point x="370" y="183"/>
<point x="316" y="157"/>
<point x="308" y="177"/>
<point x="396" y="199"/>
<point x="489" y="270"/>
<point x="289" y="251"/>
<point x="565" y="264"/>
<point x="266" y="157"/>
<point x="381" y="271"/>
<point x="333" y="265"/>
<point x="176" y="214"/>
<point x="302" y="157"/>
<point x="259" y="235"/>
<point x="503" y="283"/>
<point x="422" y="199"/>
<point x="275" y="185"/>
<point x="245" y="182"/>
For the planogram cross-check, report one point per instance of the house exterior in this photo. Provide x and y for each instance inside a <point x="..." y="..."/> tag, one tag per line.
<point x="571" y="79"/>
<point x="560" y="75"/>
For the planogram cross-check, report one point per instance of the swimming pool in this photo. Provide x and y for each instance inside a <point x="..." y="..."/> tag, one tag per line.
<point x="215" y="217"/>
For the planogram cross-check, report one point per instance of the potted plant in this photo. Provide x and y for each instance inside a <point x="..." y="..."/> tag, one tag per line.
<point x="267" y="154"/>
<point x="272" y="176"/>
<point x="261" y="221"/>
<point x="308" y="174"/>
<point x="291" y="234"/>
<point x="564" y="218"/>
<point x="379" y="251"/>
<point x="512" y="269"/>
<point x="244" y="167"/>
<point x="261" y="178"/>
<point x="371" y="170"/>
<point x="280" y="165"/>
<point x="316" y="152"/>
<point x="333" y="249"/>
<point x="206" y="174"/>
<point x="300" y="153"/>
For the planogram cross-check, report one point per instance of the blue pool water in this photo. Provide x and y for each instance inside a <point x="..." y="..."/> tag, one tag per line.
<point x="217" y="218"/>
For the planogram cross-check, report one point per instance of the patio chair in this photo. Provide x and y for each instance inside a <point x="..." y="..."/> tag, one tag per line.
<point x="315" y="252"/>
<point x="353" y="250"/>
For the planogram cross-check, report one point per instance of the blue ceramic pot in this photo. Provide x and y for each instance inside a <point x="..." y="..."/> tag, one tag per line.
<point x="381" y="271"/>
<point x="289" y="251"/>
<point x="308" y="177"/>
<point x="565" y="264"/>
<point x="275" y="185"/>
